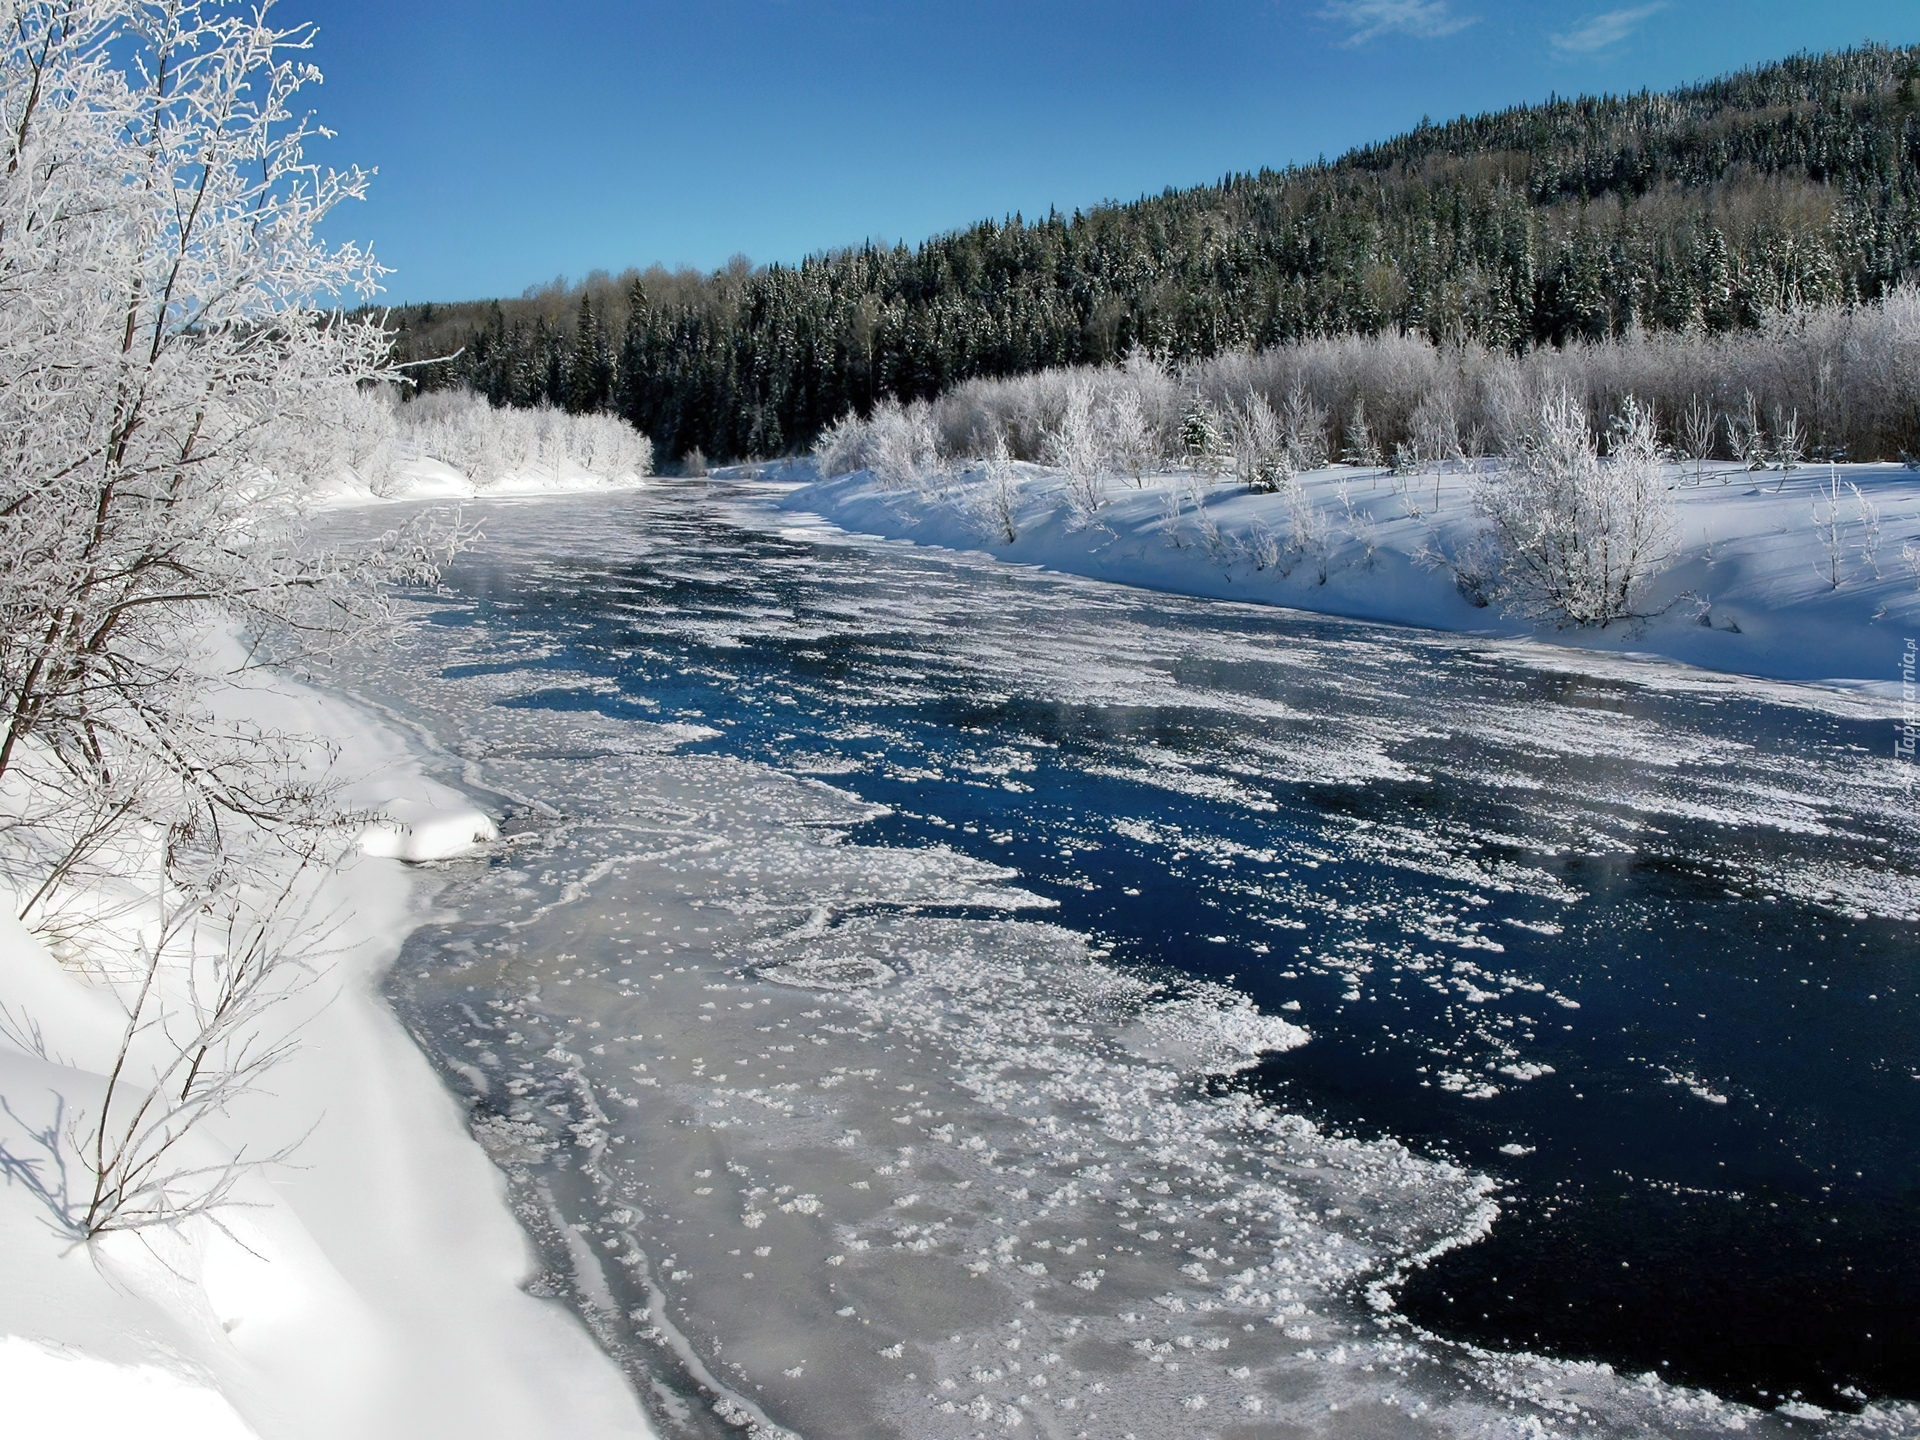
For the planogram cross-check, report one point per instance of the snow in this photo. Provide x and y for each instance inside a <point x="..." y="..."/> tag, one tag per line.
<point x="368" y="1288"/>
<point x="1751" y="591"/>
<point x="422" y="830"/>
<point x="430" y="479"/>
<point x="141" y="1400"/>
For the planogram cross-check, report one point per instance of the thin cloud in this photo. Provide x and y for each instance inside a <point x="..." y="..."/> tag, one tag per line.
<point x="1370" y="19"/>
<point x="1603" y="32"/>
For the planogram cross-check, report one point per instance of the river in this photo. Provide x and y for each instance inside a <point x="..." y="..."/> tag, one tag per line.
<point x="1081" y="1011"/>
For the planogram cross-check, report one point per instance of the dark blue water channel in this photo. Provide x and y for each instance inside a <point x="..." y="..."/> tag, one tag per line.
<point x="1639" y="944"/>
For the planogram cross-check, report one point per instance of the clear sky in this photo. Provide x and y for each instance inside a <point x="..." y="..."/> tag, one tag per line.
<point x="516" y="141"/>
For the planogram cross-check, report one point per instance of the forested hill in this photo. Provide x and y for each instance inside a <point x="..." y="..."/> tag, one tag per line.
<point x="1712" y="205"/>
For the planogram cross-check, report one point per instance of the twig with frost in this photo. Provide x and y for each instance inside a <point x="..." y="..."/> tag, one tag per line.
<point x="1406" y="464"/>
<point x="1170" y="516"/>
<point x="1205" y="525"/>
<point x="1826" y="529"/>
<point x="1699" y="428"/>
<point x="1789" y="439"/>
<point x="1360" y="526"/>
<point x="1867" y="517"/>
<point x="1262" y="548"/>
<point x="195" y="1041"/>
<point x="1130" y="437"/>
<point x="1746" y="439"/>
<point x="1002" y="491"/>
<point x="1308" y="533"/>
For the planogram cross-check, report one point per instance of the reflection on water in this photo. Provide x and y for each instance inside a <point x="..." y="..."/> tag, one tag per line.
<point x="948" y="938"/>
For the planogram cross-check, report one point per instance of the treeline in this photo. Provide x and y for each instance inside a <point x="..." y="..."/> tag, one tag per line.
<point x="1704" y="210"/>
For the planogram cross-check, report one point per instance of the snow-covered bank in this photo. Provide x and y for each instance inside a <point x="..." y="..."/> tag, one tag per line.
<point x="1774" y="577"/>
<point x="430" y="479"/>
<point x="371" y="1287"/>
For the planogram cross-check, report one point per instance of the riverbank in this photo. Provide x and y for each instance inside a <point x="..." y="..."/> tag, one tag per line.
<point x="369" y="1287"/>
<point x="430" y="479"/>
<point x="1795" y="576"/>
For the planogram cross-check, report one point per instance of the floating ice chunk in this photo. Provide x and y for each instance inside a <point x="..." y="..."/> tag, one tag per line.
<point x="418" y="831"/>
<point x="1526" y="1070"/>
<point x="1695" y="1086"/>
<point x="1801" y="1410"/>
<point x="1468" y="1086"/>
<point x="1217" y="1031"/>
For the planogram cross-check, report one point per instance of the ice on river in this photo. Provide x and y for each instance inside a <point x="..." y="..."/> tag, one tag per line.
<point x="957" y="1168"/>
<point x="967" y="1173"/>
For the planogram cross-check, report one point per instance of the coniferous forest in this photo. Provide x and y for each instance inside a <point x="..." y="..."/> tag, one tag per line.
<point x="1706" y="208"/>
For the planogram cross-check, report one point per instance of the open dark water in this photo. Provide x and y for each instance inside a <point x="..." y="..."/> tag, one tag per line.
<point x="1628" y="950"/>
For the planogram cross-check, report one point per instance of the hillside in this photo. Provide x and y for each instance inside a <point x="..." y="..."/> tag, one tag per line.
<point x="1708" y="207"/>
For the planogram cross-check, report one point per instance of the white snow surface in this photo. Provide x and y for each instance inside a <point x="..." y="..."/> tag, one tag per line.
<point x="423" y="830"/>
<point x="430" y="479"/>
<point x="1751" y="590"/>
<point x="370" y="1287"/>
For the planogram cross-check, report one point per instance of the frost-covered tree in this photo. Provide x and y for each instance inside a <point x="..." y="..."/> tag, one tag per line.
<point x="1203" y="440"/>
<point x="1075" y="445"/>
<point x="1362" y="448"/>
<point x="1132" y="447"/>
<point x="1261" y="458"/>
<point x="1578" y="538"/>
<point x="169" y="384"/>
<point x="1303" y="428"/>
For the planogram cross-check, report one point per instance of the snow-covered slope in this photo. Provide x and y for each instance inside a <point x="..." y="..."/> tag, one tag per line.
<point x="1752" y="590"/>
<point x="368" y="1289"/>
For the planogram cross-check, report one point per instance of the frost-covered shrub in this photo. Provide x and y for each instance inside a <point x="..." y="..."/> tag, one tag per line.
<point x="1261" y="459"/>
<point x="1075" y="447"/>
<point x="842" y="446"/>
<point x="1130" y="443"/>
<point x="897" y="443"/>
<point x="1851" y="375"/>
<point x="1578" y="539"/>
<point x="905" y="451"/>
<point x="998" y="501"/>
<point x="489" y="445"/>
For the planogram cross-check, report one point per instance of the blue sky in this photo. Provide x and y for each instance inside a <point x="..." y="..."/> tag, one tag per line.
<point x="516" y="142"/>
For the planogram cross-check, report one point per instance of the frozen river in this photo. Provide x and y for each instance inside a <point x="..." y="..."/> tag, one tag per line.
<point x="1078" y="1011"/>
